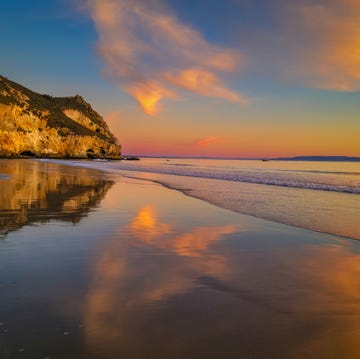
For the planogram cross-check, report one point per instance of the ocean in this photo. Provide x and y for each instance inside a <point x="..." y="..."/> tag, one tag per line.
<point x="321" y="196"/>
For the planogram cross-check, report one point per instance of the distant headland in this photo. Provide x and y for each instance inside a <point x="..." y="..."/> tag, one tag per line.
<point x="34" y="125"/>
<point x="319" y="158"/>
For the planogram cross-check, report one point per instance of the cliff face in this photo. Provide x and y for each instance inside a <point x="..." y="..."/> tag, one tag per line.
<point x="44" y="126"/>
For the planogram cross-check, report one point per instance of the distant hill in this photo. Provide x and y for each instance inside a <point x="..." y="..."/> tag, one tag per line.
<point x="34" y="125"/>
<point x="319" y="158"/>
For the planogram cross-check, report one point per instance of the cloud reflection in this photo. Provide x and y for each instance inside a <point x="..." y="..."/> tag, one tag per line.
<point x="151" y="264"/>
<point x="168" y="276"/>
<point x="146" y="226"/>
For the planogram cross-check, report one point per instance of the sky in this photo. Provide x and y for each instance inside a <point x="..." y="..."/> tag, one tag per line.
<point x="230" y="78"/>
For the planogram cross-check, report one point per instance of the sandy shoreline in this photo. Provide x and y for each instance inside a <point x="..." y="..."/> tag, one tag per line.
<point x="307" y="209"/>
<point x="100" y="265"/>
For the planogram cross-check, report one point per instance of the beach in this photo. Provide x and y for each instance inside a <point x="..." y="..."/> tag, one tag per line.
<point x="317" y="195"/>
<point x="94" y="264"/>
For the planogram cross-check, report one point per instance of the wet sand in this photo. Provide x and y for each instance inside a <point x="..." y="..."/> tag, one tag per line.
<point x="94" y="265"/>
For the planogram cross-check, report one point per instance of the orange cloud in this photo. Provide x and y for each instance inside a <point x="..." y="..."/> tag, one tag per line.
<point x="149" y="52"/>
<point x="148" y="95"/>
<point x="204" y="83"/>
<point x="328" y="35"/>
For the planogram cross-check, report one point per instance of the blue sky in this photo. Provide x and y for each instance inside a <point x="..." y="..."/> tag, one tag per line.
<point x="255" y="67"/>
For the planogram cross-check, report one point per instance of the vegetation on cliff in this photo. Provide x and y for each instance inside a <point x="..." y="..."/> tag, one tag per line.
<point x="44" y="126"/>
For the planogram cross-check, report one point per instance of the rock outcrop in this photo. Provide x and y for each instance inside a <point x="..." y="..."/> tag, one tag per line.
<point x="34" y="125"/>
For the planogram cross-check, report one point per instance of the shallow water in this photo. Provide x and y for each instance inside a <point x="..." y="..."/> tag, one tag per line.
<point x="145" y="272"/>
<point x="325" y="176"/>
<point x="322" y="196"/>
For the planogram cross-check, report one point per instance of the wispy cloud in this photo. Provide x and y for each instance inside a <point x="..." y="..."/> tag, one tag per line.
<point x="323" y="38"/>
<point x="312" y="43"/>
<point x="210" y="140"/>
<point x="204" y="83"/>
<point x="151" y="54"/>
<point x="207" y="141"/>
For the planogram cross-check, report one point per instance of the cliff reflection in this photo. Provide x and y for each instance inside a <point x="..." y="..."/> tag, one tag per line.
<point x="35" y="191"/>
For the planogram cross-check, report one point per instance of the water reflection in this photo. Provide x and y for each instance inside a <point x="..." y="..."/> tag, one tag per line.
<point x="146" y="226"/>
<point x="224" y="288"/>
<point x="167" y="276"/>
<point x="37" y="192"/>
<point x="121" y="290"/>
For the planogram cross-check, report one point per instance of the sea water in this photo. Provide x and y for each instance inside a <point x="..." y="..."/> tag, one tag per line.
<point x="322" y="196"/>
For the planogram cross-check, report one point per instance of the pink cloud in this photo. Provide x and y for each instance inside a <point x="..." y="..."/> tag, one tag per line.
<point x="323" y="41"/>
<point x="211" y="140"/>
<point x="151" y="54"/>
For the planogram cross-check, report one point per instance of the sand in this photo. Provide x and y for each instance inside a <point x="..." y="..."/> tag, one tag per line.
<point x="94" y="265"/>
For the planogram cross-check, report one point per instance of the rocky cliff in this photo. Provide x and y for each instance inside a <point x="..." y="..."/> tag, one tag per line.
<point x="44" y="126"/>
